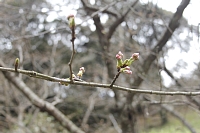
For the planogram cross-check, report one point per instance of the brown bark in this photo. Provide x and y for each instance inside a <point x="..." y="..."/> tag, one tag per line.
<point x="104" y="39"/>
<point x="174" y="23"/>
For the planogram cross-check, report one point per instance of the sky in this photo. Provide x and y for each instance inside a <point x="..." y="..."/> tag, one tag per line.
<point x="191" y="13"/>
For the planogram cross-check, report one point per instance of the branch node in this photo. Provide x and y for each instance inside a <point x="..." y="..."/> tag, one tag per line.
<point x="16" y="64"/>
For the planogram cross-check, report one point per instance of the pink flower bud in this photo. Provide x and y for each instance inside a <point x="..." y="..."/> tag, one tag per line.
<point x="82" y="69"/>
<point x="127" y="71"/>
<point x="135" y="56"/>
<point x="127" y="68"/>
<point x="118" y="57"/>
<point x="120" y="53"/>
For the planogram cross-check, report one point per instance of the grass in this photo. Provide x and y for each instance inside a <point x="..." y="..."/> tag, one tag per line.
<point x="174" y="125"/>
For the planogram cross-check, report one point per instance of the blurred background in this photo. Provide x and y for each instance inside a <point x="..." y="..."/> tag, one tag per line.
<point x="37" y="32"/>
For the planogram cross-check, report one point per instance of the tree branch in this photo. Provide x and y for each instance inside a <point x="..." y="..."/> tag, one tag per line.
<point x="115" y="78"/>
<point x="92" y="84"/>
<point x="161" y="43"/>
<point x="174" y="23"/>
<point x="180" y="85"/>
<point x="115" y="124"/>
<point x="104" y="10"/>
<point x="90" y="108"/>
<point x="119" y="21"/>
<point x="171" y="75"/>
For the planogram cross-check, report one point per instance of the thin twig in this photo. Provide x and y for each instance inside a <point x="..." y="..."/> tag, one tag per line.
<point x="90" y="108"/>
<point x="115" y="124"/>
<point x="115" y="78"/>
<point x="38" y="34"/>
<point x="92" y="84"/>
<point x="171" y="102"/>
<point x="104" y="9"/>
<point x="72" y="55"/>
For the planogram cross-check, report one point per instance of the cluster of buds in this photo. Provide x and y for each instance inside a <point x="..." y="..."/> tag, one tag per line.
<point x="74" y="77"/>
<point x="71" y="22"/>
<point x="81" y="71"/>
<point x="124" y="66"/>
<point x="126" y="70"/>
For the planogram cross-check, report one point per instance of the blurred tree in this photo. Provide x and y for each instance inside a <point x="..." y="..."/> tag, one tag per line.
<point x="37" y="32"/>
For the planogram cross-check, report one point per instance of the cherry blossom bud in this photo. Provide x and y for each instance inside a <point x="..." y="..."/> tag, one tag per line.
<point x="120" y="53"/>
<point x="127" y="71"/>
<point x="119" y="57"/>
<point x="81" y="71"/>
<point x="135" y="56"/>
<point x="127" y="68"/>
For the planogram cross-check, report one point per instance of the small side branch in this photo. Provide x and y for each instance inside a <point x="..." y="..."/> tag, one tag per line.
<point x="115" y="124"/>
<point x="115" y="78"/>
<point x="71" y="60"/>
<point x="72" y="27"/>
<point x="97" y="10"/>
<point x="90" y="108"/>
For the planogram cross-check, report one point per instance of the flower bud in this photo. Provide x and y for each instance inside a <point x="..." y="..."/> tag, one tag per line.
<point x="71" y="22"/>
<point x="120" y="53"/>
<point x="81" y="71"/>
<point x="135" y="56"/>
<point x="127" y="71"/>
<point x="16" y="64"/>
<point x="127" y="68"/>
<point x="119" y="57"/>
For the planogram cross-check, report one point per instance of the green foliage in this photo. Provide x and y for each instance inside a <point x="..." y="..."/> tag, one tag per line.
<point x="175" y="126"/>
